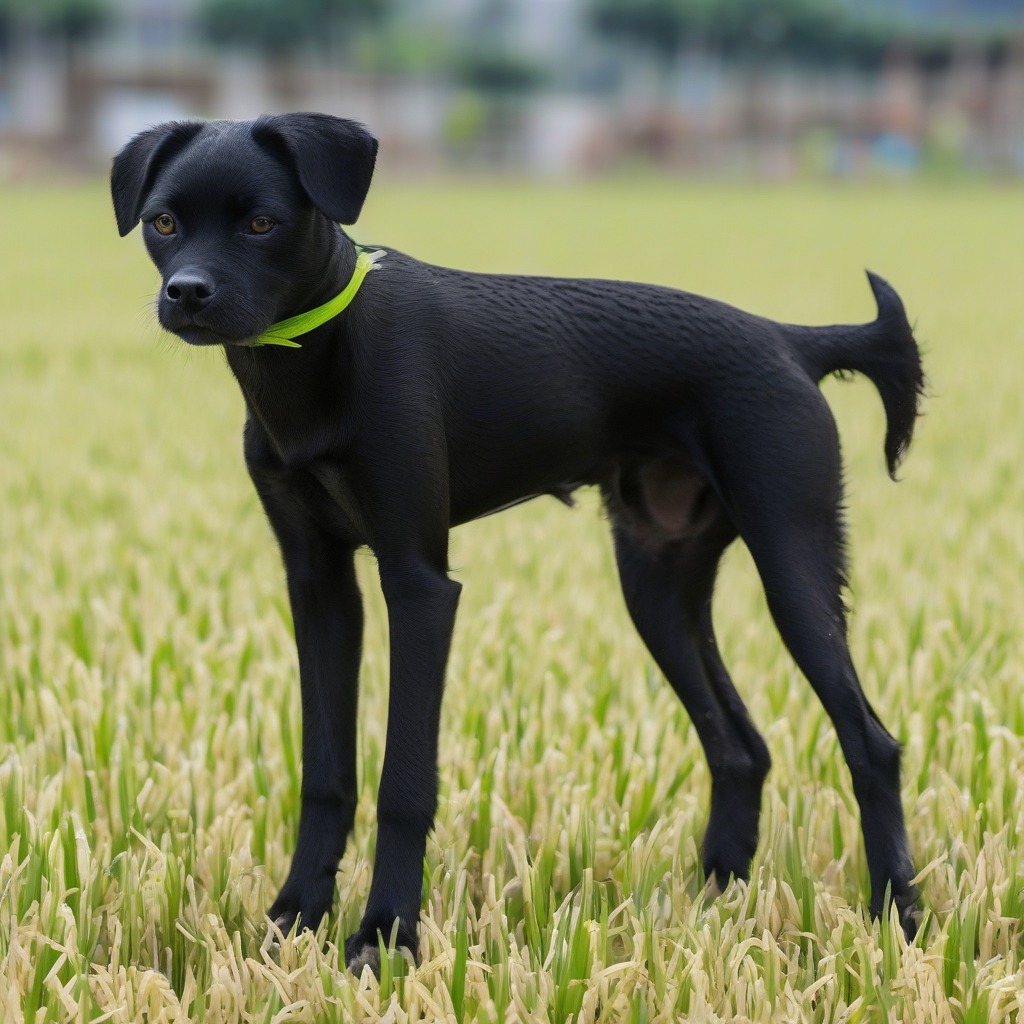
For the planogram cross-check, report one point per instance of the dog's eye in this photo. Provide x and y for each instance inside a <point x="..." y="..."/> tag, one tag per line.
<point x="164" y="224"/>
<point x="261" y="225"/>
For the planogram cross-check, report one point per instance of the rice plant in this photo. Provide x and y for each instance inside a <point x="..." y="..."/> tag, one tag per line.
<point x="150" y="762"/>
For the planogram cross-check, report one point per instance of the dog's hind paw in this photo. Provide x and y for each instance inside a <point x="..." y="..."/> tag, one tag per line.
<point x="284" y="922"/>
<point x="366" y="956"/>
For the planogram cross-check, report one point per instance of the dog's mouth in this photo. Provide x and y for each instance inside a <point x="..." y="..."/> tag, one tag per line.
<point x="194" y="331"/>
<point x="202" y="336"/>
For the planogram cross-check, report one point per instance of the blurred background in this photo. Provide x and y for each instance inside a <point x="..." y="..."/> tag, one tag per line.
<point x="765" y="88"/>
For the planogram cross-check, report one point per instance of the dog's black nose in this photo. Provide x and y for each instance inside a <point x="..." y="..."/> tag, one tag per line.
<point x="190" y="289"/>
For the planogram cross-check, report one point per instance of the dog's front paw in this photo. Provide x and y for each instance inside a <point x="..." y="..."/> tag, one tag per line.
<point x="364" y="947"/>
<point x="305" y="905"/>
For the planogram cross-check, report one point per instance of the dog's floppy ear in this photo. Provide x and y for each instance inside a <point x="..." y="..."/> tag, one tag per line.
<point x="333" y="158"/>
<point x="135" y="167"/>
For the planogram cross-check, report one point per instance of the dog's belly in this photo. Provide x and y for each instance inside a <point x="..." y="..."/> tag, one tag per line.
<point x="486" y="495"/>
<point x="493" y="467"/>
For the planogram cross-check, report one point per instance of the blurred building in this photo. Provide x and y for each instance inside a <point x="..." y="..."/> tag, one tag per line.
<point x="527" y="85"/>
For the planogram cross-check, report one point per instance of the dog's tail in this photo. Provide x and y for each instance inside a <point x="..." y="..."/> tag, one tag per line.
<point x="885" y="351"/>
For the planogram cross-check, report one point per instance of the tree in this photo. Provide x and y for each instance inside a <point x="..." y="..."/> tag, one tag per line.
<point x="488" y="60"/>
<point x="806" y="31"/>
<point x="280" y="26"/>
<point x="71" y="21"/>
<point x="64" y="26"/>
<point x="498" y="71"/>
<point x="661" y="26"/>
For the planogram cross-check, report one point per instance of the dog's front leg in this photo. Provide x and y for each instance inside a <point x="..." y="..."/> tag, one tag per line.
<point x="328" y="614"/>
<point x="421" y="602"/>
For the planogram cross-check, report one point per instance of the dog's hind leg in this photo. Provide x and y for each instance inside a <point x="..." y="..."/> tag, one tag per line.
<point x="670" y="531"/>
<point x="784" y="479"/>
<point x="798" y="571"/>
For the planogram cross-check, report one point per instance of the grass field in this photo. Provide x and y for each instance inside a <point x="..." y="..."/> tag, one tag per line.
<point x="149" y="709"/>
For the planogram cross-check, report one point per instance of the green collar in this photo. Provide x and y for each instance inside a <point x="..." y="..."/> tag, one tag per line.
<point x="283" y="331"/>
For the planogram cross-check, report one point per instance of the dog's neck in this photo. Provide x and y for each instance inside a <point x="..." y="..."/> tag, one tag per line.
<point x="276" y="382"/>
<point x="337" y="258"/>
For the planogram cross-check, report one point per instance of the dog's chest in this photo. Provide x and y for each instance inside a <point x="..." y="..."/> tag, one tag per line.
<point x="339" y="489"/>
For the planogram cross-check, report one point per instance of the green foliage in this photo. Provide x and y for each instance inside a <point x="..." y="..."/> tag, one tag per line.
<point x="395" y="49"/>
<point x="277" y="26"/>
<point x="150" y="768"/>
<point x="662" y="25"/>
<point x="807" y="31"/>
<point x="493" y="70"/>
<point x="73" y="20"/>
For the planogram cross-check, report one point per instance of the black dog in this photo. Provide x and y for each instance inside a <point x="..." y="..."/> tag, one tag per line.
<point x="439" y="396"/>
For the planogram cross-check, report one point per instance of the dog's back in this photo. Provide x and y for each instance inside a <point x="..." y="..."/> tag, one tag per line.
<point x="548" y="383"/>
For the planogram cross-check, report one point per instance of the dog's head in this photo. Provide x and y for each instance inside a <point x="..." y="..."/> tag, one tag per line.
<point x="239" y="216"/>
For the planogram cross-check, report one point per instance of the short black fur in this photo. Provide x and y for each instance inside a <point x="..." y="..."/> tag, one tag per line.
<point x="440" y="396"/>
